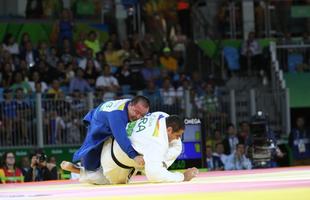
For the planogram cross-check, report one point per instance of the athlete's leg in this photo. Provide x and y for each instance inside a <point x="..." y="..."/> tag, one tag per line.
<point x="68" y="166"/>
<point x="114" y="173"/>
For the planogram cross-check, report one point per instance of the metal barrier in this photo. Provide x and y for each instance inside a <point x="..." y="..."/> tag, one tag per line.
<point x="238" y="106"/>
<point x="17" y="122"/>
<point x="40" y="121"/>
<point x="281" y="93"/>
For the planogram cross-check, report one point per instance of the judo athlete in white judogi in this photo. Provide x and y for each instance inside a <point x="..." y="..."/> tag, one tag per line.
<point x="156" y="136"/>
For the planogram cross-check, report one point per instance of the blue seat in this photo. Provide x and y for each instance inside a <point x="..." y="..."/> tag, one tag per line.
<point x="231" y="56"/>
<point x="1" y="93"/>
<point x="293" y="61"/>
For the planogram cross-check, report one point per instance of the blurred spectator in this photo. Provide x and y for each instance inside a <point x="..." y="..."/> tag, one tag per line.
<point x="149" y="71"/>
<point x="184" y="86"/>
<point x="24" y="40"/>
<point x="34" y="9"/>
<point x="213" y="163"/>
<point x="155" y="22"/>
<point x="30" y="55"/>
<point x="9" y="44"/>
<point x="299" y="141"/>
<point x="237" y="160"/>
<point x="63" y="28"/>
<point x="210" y="103"/>
<point x="115" y="41"/>
<point x="135" y="43"/>
<point x="66" y="54"/>
<point x="73" y="129"/>
<point x="9" y="113"/>
<point x="92" y="42"/>
<point x="19" y="82"/>
<point x="22" y="117"/>
<point x="127" y="52"/>
<point x="251" y="55"/>
<point x="113" y="56"/>
<point x="244" y="134"/>
<point x="84" y="61"/>
<point x="34" y="79"/>
<point x="152" y="92"/>
<point x="91" y="73"/>
<point x="70" y="69"/>
<point x="24" y="164"/>
<point x="168" y="62"/>
<point x="80" y="46"/>
<point x="100" y="58"/>
<point x="215" y="138"/>
<point x="12" y="174"/>
<point x="55" y="90"/>
<point x="52" y="160"/>
<point x="168" y="95"/>
<point x="219" y="152"/>
<point x="231" y="140"/>
<point x="52" y="58"/>
<point x="79" y="83"/>
<point x="43" y="50"/>
<point x="46" y="72"/>
<point x="147" y="45"/>
<point x="124" y="77"/>
<point x="138" y="83"/>
<point x="23" y="69"/>
<point x="179" y="42"/>
<point x="7" y="75"/>
<point x="197" y="82"/>
<point x="40" y="169"/>
<point x="54" y="120"/>
<point x="52" y="8"/>
<point x="107" y="83"/>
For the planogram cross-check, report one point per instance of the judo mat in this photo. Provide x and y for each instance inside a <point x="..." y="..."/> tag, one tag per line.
<point x="261" y="184"/>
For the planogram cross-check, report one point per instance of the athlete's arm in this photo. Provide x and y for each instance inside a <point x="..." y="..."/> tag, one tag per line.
<point x="175" y="149"/>
<point x="118" y="127"/>
<point x="155" y="169"/>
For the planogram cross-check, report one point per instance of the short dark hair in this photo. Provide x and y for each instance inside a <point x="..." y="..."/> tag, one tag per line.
<point x="219" y="143"/>
<point x="175" y="122"/>
<point x="230" y="125"/>
<point x="241" y="143"/>
<point x="140" y="98"/>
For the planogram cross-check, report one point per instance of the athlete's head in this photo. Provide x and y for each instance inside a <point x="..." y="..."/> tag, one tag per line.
<point x="175" y="127"/>
<point x="138" y="107"/>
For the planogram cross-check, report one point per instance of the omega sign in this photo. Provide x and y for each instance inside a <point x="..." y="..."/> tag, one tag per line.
<point x="192" y="121"/>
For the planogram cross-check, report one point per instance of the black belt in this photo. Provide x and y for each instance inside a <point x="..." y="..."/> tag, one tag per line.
<point x="132" y="169"/>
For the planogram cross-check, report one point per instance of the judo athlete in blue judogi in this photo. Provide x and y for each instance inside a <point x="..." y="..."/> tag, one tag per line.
<point x="110" y="119"/>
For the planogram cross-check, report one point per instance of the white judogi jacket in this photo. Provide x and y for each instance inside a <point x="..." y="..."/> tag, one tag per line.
<point x="149" y="138"/>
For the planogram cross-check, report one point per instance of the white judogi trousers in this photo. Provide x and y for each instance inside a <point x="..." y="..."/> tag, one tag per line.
<point x="110" y="172"/>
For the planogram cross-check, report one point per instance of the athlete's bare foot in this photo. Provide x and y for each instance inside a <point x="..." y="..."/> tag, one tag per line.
<point x="68" y="166"/>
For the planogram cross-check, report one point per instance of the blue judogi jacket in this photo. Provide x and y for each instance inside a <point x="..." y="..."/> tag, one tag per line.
<point x="108" y="119"/>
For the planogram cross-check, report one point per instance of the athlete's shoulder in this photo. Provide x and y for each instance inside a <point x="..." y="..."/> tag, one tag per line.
<point x="116" y="105"/>
<point x="158" y="114"/>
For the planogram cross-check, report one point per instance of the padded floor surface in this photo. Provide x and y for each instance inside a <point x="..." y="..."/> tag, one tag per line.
<point x="279" y="183"/>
